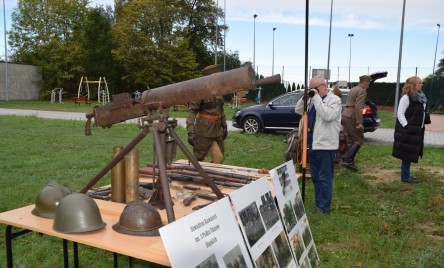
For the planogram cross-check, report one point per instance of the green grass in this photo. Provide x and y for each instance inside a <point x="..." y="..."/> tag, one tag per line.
<point x="387" y="119"/>
<point x="377" y="222"/>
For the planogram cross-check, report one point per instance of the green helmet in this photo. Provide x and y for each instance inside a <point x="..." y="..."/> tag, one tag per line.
<point x="77" y="213"/>
<point x="140" y="219"/>
<point x="48" y="199"/>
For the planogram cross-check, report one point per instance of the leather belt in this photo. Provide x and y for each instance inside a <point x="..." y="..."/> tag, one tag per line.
<point x="211" y="117"/>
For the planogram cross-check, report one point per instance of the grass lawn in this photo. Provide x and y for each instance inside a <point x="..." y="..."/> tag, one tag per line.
<point x="377" y="220"/>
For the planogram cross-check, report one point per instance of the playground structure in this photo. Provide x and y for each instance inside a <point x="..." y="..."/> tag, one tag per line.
<point x="83" y="94"/>
<point x="53" y="94"/>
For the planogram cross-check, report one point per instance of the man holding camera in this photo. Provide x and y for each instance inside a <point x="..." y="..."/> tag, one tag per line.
<point x="324" y="122"/>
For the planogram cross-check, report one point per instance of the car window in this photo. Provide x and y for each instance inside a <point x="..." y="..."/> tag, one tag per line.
<point x="287" y="100"/>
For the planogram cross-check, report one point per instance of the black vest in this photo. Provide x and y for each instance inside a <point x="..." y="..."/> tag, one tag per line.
<point x="409" y="140"/>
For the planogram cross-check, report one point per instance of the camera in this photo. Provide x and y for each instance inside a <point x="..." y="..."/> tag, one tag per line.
<point x="311" y="93"/>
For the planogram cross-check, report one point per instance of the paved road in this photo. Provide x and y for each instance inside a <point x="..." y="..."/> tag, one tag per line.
<point x="434" y="135"/>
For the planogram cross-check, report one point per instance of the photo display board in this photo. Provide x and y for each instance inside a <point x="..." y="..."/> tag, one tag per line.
<point x="208" y="237"/>
<point x="261" y="225"/>
<point x="293" y="214"/>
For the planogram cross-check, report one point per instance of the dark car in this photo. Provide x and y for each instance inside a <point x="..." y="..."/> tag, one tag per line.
<point x="279" y="114"/>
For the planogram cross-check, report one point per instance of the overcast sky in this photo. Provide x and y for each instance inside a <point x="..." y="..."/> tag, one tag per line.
<point x="375" y="25"/>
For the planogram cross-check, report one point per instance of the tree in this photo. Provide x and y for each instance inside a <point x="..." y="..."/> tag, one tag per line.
<point x="200" y="20"/>
<point x="150" y="43"/>
<point x="96" y="46"/>
<point x="43" y="33"/>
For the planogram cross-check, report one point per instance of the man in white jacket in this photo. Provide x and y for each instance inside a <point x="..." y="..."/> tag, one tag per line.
<point x="324" y="122"/>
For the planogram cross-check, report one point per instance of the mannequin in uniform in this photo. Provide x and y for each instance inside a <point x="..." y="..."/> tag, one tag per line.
<point x="207" y="125"/>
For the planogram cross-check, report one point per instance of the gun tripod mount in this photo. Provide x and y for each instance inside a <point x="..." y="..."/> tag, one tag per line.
<point x="165" y="139"/>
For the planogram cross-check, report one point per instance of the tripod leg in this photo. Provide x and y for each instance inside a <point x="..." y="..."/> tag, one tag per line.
<point x="163" y="176"/>
<point x="115" y="160"/>
<point x="196" y="165"/>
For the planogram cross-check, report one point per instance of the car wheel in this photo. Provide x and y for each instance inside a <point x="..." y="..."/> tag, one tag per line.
<point x="251" y="125"/>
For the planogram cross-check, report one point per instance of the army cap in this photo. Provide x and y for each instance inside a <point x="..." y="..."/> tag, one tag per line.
<point x="365" y="78"/>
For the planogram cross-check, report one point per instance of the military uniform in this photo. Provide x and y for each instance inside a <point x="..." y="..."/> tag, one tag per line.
<point x="206" y="119"/>
<point x="352" y="115"/>
<point x="352" y="121"/>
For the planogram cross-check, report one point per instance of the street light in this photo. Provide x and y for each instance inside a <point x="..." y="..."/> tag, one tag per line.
<point x="434" y="61"/>
<point x="6" y="55"/>
<point x="217" y="29"/>
<point x="349" y="61"/>
<point x="272" y="65"/>
<point x="254" y="41"/>
<point x="329" y="43"/>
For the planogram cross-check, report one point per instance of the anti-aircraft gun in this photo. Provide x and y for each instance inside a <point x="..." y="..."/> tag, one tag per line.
<point x="152" y="110"/>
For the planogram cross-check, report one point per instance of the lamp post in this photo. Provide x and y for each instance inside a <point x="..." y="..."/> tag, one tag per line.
<point x="349" y="61"/>
<point x="329" y="44"/>
<point x="217" y="30"/>
<point x="272" y="65"/>
<point x="225" y="30"/>
<point x="254" y="41"/>
<point x="6" y="55"/>
<point x="434" y="61"/>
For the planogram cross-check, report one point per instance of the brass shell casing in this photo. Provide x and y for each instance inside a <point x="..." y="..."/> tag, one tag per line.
<point x="132" y="175"/>
<point x="118" y="179"/>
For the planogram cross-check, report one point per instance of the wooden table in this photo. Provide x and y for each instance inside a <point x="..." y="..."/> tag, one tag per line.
<point x="145" y="248"/>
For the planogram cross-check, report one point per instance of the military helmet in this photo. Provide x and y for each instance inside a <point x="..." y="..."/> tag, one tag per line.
<point x="77" y="213"/>
<point x="48" y="199"/>
<point x="140" y="219"/>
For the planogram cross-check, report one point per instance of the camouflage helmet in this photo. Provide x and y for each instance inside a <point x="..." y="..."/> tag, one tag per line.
<point x="48" y="199"/>
<point x="140" y="219"/>
<point x="77" y="213"/>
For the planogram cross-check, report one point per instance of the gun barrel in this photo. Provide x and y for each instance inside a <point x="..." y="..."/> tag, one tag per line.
<point x="217" y="84"/>
<point x="269" y="80"/>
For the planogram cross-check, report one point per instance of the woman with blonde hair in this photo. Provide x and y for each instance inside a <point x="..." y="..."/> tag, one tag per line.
<point x="409" y="130"/>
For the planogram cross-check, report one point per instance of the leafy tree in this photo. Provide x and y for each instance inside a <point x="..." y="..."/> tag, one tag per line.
<point x="44" y="33"/>
<point x="96" y="45"/>
<point x="200" y="20"/>
<point x="150" y="43"/>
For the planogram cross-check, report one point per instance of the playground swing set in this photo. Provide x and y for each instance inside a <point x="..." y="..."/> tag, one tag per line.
<point x="83" y="94"/>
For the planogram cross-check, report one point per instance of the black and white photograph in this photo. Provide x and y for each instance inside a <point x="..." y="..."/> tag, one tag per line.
<point x="313" y="257"/>
<point x="284" y="180"/>
<point x="289" y="217"/>
<point x="234" y="258"/>
<point x="267" y="259"/>
<point x="209" y="262"/>
<point x="298" y="206"/>
<point x="252" y="222"/>
<point x="298" y="245"/>
<point x="306" y="235"/>
<point x="268" y="210"/>
<point x="282" y="250"/>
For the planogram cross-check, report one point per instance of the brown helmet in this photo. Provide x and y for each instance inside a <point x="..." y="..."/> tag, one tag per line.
<point x="48" y="199"/>
<point x="77" y="213"/>
<point x="140" y="219"/>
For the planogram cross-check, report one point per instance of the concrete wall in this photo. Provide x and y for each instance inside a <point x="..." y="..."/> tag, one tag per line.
<point x="23" y="82"/>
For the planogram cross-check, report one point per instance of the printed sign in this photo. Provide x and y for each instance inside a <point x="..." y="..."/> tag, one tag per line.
<point x="261" y="226"/>
<point x="293" y="214"/>
<point x="208" y="237"/>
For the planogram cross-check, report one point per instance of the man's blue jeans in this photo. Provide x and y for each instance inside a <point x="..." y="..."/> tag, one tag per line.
<point x="405" y="170"/>
<point x="322" y="169"/>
